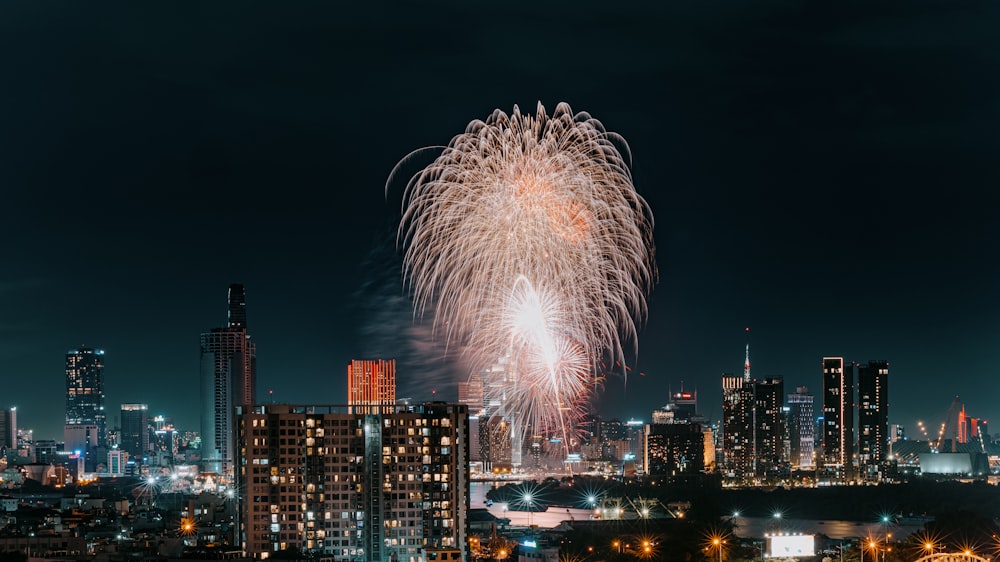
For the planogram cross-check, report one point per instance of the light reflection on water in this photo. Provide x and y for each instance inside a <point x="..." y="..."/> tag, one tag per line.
<point x="543" y="519"/>
<point x="757" y="527"/>
<point x="746" y="527"/>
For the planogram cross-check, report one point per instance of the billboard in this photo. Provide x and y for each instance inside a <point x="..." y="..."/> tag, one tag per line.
<point x="790" y="546"/>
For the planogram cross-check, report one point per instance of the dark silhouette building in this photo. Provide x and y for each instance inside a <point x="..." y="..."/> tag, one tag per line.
<point x="134" y="435"/>
<point x="769" y="425"/>
<point x="674" y="449"/>
<point x="873" y="416"/>
<point x="838" y="417"/>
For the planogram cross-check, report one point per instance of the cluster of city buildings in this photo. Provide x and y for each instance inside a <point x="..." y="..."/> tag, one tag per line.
<point x="373" y="479"/>
<point x="380" y="478"/>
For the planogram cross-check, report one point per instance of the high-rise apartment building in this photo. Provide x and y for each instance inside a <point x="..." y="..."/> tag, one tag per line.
<point x="352" y="482"/>
<point x="873" y="414"/>
<point x="228" y="380"/>
<point x="737" y="427"/>
<point x="801" y="428"/>
<point x="371" y="382"/>
<point x="134" y="436"/>
<point x="769" y="425"/>
<point x="85" y="392"/>
<point x="838" y="416"/>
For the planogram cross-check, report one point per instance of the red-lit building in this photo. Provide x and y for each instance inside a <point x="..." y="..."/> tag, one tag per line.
<point x="371" y="382"/>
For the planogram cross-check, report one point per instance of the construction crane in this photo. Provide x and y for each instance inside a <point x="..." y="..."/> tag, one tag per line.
<point x="950" y="422"/>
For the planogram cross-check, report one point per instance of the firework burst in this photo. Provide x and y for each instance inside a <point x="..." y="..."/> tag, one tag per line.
<point x="528" y="241"/>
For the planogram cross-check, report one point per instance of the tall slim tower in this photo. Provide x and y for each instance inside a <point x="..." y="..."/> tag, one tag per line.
<point x="8" y="431"/>
<point x="769" y="424"/>
<point x="873" y="413"/>
<point x="371" y="382"/>
<point x="135" y="429"/>
<point x="737" y="427"/>
<point x="85" y="392"/>
<point x="801" y="428"/>
<point x="228" y="380"/>
<point x="838" y="415"/>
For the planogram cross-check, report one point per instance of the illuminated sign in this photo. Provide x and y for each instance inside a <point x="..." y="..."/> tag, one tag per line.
<point x="790" y="546"/>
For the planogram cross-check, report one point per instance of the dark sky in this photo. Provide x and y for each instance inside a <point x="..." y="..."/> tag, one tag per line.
<point x="824" y="172"/>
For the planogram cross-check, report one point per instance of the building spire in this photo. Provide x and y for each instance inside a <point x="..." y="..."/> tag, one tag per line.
<point x="746" y="364"/>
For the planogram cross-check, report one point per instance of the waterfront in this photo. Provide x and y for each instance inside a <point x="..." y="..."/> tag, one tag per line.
<point x="543" y="519"/>
<point x="757" y="527"/>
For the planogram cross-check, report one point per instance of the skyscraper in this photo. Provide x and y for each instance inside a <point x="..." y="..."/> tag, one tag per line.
<point x="348" y="483"/>
<point x="737" y="427"/>
<point x="471" y="393"/>
<point x="769" y="424"/>
<point x="135" y="430"/>
<point x="8" y="431"/>
<point x="873" y="415"/>
<point x="801" y="428"/>
<point x="228" y="380"/>
<point x="838" y="416"/>
<point x="85" y="393"/>
<point x="371" y="382"/>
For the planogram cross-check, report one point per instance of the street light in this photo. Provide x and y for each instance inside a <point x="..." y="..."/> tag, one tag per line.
<point x="718" y="542"/>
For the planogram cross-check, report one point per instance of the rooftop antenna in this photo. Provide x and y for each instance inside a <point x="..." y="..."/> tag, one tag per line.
<point x="746" y="364"/>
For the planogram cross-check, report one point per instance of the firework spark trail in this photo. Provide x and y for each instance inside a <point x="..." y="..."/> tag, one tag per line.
<point x="528" y="240"/>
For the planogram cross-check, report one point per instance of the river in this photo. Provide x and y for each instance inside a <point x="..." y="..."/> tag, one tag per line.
<point x="543" y="519"/>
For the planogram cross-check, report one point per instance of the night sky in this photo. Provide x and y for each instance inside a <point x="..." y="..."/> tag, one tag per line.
<point x="823" y="172"/>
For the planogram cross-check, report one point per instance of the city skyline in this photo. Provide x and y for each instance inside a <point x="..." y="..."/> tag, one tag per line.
<point x="813" y="174"/>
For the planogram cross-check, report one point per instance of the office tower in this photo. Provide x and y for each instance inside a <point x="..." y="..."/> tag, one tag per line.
<point x="873" y="413"/>
<point x="85" y="393"/>
<point x="737" y="427"/>
<point x="674" y="448"/>
<point x="494" y="444"/>
<point x="801" y="428"/>
<point x="135" y="430"/>
<point x="353" y="483"/>
<point x="8" y="431"/>
<point x="769" y="424"/>
<point x="682" y="407"/>
<point x="838" y="416"/>
<point x="371" y="382"/>
<point x="80" y="439"/>
<point x="117" y="460"/>
<point x="634" y="446"/>
<point x="470" y="393"/>
<point x="897" y="432"/>
<point x="228" y="379"/>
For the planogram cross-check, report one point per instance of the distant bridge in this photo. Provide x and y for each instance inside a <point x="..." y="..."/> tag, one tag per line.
<point x="966" y="556"/>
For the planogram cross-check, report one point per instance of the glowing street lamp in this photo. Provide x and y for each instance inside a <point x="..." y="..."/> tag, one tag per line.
<point x="527" y="499"/>
<point x="718" y="542"/>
